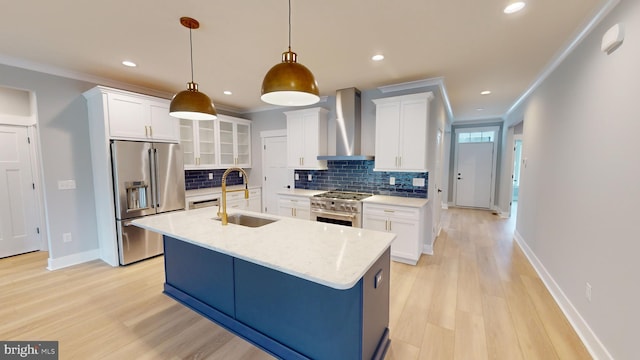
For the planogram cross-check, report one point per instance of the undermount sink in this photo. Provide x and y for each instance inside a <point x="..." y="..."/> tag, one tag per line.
<point x="248" y="220"/>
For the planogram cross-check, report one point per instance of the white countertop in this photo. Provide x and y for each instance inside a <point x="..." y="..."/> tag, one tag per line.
<point x="301" y="192"/>
<point x="332" y="255"/>
<point x="396" y="200"/>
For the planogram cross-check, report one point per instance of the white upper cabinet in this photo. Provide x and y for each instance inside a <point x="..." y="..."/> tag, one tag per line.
<point x="235" y="141"/>
<point x="306" y="138"/>
<point x="132" y="116"/>
<point x="199" y="144"/>
<point x="401" y="132"/>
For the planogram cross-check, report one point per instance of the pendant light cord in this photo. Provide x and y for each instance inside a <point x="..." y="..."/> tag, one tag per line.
<point x="191" y="50"/>
<point x="289" y="25"/>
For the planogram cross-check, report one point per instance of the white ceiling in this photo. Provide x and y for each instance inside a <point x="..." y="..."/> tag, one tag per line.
<point x="470" y="43"/>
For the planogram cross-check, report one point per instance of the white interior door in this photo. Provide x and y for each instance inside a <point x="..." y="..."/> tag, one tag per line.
<point x="473" y="174"/>
<point x="17" y="199"/>
<point x="275" y="174"/>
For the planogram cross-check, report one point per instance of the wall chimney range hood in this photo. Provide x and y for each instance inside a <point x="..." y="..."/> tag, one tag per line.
<point x="348" y="123"/>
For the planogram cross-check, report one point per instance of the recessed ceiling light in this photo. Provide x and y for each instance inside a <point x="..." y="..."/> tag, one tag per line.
<point x="377" y="57"/>
<point x="129" y="63"/>
<point x="514" y="7"/>
<point x="480" y="109"/>
<point x="486" y="92"/>
<point x="227" y="92"/>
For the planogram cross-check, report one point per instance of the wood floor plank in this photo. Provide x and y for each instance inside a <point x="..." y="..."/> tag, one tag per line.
<point x="502" y="341"/>
<point x="437" y="344"/>
<point x="565" y="340"/>
<point x="470" y="340"/>
<point x="400" y="350"/>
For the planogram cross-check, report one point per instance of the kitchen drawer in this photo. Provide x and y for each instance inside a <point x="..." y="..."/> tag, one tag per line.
<point x="389" y="210"/>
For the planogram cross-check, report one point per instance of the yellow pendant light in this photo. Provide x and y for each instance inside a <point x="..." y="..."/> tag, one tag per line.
<point x="290" y="83"/>
<point x="191" y="104"/>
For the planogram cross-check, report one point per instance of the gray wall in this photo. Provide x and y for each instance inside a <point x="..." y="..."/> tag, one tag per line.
<point x="64" y="139"/>
<point x="579" y="194"/>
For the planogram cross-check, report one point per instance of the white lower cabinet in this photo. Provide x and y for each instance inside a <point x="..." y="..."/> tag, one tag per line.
<point x="294" y="206"/>
<point x="236" y="200"/>
<point x="403" y="221"/>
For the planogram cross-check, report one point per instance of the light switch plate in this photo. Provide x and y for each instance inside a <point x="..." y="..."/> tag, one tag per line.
<point x="297" y="176"/>
<point x="418" y="182"/>
<point x="310" y="177"/>
<point x="392" y="181"/>
<point x="210" y="176"/>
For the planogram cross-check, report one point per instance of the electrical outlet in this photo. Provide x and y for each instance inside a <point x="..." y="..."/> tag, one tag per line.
<point x="392" y="181"/>
<point x="418" y="182"/>
<point x="297" y="176"/>
<point x="210" y="176"/>
<point x="66" y="237"/>
<point x="310" y="177"/>
<point x="239" y="173"/>
<point x="587" y="292"/>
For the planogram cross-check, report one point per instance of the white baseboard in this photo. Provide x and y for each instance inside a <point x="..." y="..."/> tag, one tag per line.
<point x="74" y="259"/>
<point x="589" y="338"/>
<point x="427" y="249"/>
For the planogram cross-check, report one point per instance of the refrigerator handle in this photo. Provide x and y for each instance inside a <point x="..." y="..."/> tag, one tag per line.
<point x="156" y="176"/>
<point x="152" y="175"/>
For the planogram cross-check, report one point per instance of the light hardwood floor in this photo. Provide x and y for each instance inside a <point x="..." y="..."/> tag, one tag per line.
<point x="476" y="298"/>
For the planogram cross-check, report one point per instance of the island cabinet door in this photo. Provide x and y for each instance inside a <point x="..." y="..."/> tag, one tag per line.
<point x="204" y="274"/>
<point x="317" y="321"/>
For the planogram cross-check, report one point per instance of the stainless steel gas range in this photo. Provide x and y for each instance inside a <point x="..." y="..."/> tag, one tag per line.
<point x="338" y="207"/>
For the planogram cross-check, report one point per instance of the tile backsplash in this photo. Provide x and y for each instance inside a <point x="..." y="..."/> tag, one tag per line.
<point x="358" y="176"/>
<point x="199" y="179"/>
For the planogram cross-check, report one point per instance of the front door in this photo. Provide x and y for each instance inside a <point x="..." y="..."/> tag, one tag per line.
<point x="474" y="174"/>
<point x="17" y="196"/>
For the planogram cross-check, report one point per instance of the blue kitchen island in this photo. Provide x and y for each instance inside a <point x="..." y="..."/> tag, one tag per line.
<point x="295" y="288"/>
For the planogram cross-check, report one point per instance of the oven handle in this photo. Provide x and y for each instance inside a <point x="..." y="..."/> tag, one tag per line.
<point x="348" y="216"/>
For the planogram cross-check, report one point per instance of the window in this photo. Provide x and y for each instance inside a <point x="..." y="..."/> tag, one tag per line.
<point x="477" y="136"/>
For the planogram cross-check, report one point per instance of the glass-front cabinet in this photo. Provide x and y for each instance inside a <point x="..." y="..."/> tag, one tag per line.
<point x="235" y="141"/>
<point x="198" y="140"/>
<point x="217" y="144"/>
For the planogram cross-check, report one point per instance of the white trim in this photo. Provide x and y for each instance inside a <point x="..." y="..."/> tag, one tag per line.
<point x="273" y="133"/>
<point x="73" y="259"/>
<point x="560" y="56"/>
<point x="427" y="249"/>
<point x="445" y="206"/>
<point x="588" y="337"/>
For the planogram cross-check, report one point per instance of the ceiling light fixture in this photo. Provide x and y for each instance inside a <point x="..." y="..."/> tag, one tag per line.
<point x="227" y="92"/>
<point x="486" y="92"/>
<point x="129" y="63"/>
<point x="514" y="7"/>
<point x="377" y="57"/>
<point x="191" y="104"/>
<point x="290" y="83"/>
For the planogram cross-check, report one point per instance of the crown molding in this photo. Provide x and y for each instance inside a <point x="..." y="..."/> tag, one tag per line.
<point x="431" y="82"/>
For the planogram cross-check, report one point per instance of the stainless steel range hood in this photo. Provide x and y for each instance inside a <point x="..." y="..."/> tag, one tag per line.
<point x="348" y="108"/>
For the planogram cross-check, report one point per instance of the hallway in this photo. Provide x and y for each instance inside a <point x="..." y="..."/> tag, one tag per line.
<point x="476" y="298"/>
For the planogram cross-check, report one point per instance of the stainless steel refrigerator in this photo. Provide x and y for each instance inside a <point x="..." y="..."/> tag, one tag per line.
<point x="148" y="179"/>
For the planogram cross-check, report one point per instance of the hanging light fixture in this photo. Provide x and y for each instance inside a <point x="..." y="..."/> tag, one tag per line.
<point x="290" y="83"/>
<point x="191" y="104"/>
